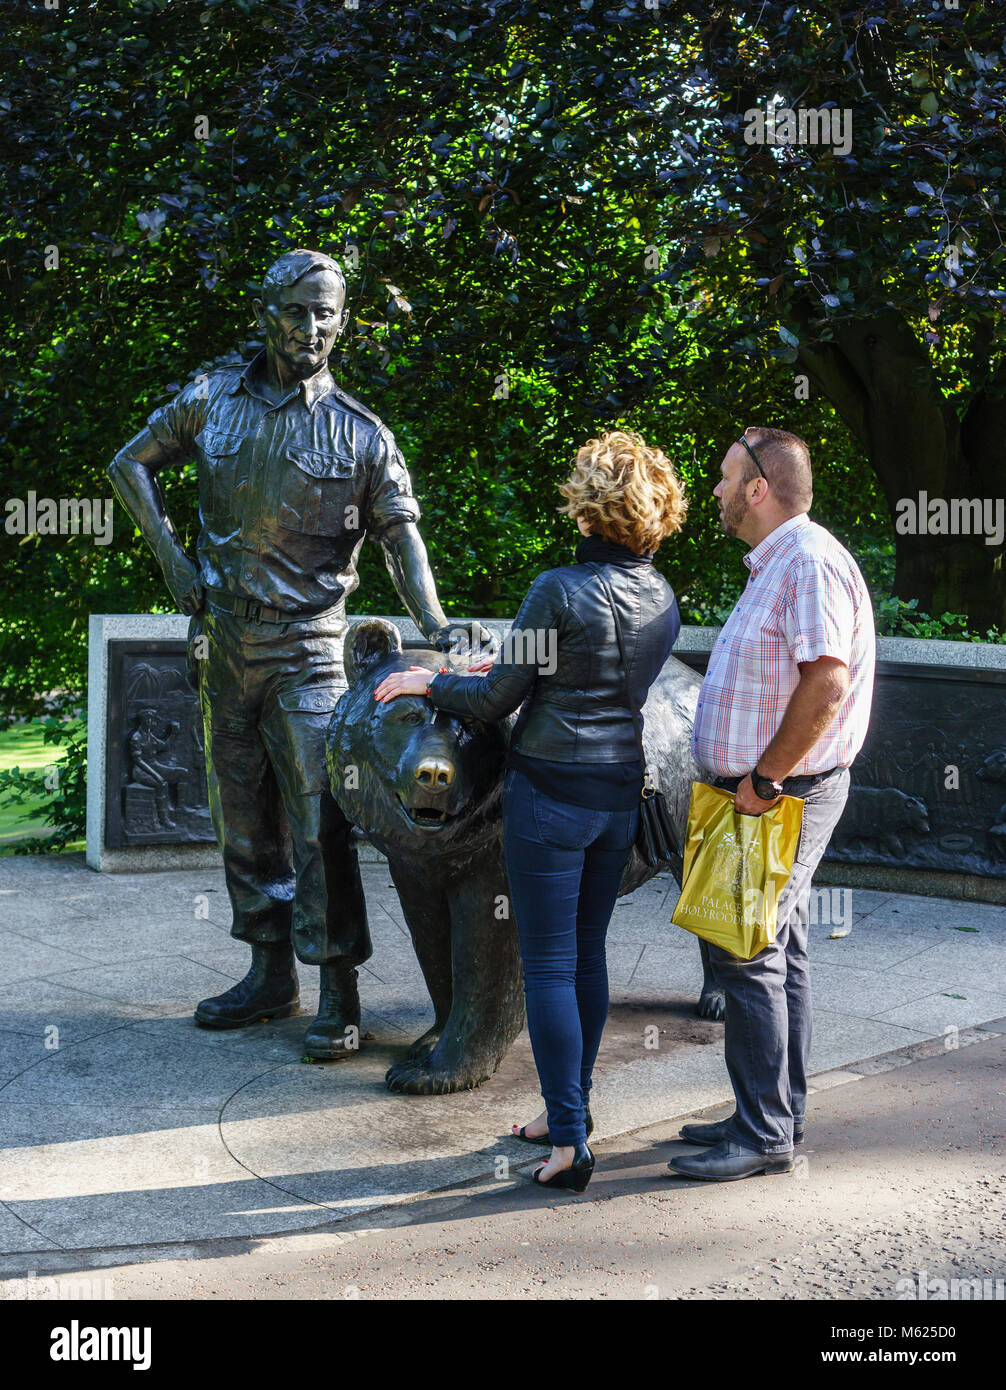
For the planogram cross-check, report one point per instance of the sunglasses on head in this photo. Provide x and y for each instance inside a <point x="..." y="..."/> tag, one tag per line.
<point x="754" y="457"/>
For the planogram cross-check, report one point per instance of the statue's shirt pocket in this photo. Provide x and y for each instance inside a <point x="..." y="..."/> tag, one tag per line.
<point x="218" y="457"/>
<point x="317" y="487"/>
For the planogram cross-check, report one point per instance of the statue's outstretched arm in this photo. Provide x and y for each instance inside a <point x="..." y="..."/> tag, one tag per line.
<point x="409" y="567"/>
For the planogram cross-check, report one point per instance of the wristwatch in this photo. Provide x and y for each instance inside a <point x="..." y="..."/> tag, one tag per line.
<point x="764" y="787"/>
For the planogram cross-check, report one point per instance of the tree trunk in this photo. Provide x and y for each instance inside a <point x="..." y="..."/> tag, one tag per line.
<point x="879" y="378"/>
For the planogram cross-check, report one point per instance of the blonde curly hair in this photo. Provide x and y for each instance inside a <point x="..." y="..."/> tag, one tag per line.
<point x="625" y="491"/>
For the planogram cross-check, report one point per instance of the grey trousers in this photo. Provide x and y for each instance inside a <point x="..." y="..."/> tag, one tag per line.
<point x="769" y="1019"/>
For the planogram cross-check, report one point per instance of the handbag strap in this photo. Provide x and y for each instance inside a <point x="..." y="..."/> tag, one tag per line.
<point x="625" y="669"/>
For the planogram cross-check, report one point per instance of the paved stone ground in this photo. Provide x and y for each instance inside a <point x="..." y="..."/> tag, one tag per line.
<point x="900" y="1186"/>
<point x="122" y="1125"/>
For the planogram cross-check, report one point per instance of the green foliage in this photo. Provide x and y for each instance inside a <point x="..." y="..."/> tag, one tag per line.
<point x="61" y="788"/>
<point x="896" y="617"/>
<point x="559" y="196"/>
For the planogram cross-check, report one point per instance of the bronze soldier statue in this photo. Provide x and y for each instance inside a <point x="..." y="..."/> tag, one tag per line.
<point x="293" y="473"/>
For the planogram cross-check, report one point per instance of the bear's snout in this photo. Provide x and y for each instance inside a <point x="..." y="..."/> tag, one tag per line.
<point x="434" y="773"/>
<point x="431" y="794"/>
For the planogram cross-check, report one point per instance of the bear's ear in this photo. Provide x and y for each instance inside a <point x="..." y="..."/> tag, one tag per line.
<point x="370" y="642"/>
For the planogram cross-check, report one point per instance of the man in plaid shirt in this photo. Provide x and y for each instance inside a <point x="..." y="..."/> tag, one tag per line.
<point x="783" y="709"/>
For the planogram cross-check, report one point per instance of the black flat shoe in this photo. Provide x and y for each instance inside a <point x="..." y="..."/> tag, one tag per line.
<point x="574" y="1178"/>
<point x="542" y="1139"/>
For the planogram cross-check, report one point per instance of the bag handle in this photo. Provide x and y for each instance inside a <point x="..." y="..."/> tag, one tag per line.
<point x="648" y="790"/>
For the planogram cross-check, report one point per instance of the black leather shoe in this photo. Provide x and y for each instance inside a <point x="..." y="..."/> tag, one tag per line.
<point x="329" y="1036"/>
<point x="269" y="990"/>
<point x="542" y="1139"/>
<point x="575" y="1178"/>
<point x="727" y="1162"/>
<point x="716" y="1133"/>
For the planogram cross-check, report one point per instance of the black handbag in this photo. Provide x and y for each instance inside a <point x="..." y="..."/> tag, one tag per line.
<point x="657" y="840"/>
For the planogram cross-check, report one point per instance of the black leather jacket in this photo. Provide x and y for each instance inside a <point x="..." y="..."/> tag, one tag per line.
<point x="578" y="711"/>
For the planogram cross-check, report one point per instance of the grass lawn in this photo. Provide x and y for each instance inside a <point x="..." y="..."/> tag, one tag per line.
<point x="22" y="746"/>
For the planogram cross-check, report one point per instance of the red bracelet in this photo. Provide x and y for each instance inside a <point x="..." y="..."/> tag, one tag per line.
<point x="442" y="672"/>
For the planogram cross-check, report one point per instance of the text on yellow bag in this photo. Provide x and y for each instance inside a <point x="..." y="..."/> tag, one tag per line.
<point x="734" y="869"/>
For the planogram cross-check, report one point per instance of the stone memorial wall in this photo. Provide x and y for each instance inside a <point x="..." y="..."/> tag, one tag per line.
<point x="929" y="786"/>
<point x="928" y="789"/>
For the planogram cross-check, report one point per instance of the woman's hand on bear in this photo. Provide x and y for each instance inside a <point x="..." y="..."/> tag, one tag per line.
<point x="414" y="681"/>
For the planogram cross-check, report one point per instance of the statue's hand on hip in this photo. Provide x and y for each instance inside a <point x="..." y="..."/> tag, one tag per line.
<point x="182" y="578"/>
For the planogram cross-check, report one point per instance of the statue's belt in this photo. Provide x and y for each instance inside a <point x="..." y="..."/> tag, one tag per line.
<point x="256" y="612"/>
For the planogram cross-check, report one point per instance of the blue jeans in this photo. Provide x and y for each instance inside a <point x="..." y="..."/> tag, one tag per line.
<point x="564" y="865"/>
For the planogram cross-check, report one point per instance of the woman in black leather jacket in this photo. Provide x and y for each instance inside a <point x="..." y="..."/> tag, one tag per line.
<point x="573" y="781"/>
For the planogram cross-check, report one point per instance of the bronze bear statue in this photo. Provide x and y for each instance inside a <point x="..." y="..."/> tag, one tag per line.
<point x="425" y="787"/>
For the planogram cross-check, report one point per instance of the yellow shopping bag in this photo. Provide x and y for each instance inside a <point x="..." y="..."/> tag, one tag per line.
<point x="734" y="869"/>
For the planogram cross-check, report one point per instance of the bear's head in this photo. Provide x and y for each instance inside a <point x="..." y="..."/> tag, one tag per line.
<point x="416" y="780"/>
<point x="916" y="815"/>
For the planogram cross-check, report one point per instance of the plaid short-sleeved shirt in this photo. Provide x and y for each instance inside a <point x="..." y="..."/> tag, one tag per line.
<point x="805" y="598"/>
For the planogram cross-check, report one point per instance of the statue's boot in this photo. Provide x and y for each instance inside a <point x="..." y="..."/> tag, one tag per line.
<point x="269" y="990"/>
<point x="336" y="1030"/>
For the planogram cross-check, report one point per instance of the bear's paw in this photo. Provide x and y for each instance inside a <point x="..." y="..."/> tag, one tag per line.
<point x="420" y="1076"/>
<point x="712" y="1004"/>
